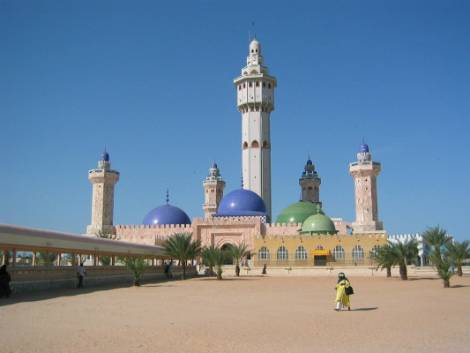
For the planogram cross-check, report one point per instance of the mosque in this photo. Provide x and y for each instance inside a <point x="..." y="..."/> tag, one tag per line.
<point x="302" y="235"/>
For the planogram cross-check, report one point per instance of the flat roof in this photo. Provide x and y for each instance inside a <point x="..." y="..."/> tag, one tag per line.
<point x="32" y="239"/>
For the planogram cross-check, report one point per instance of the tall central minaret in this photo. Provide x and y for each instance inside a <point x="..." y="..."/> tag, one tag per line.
<point x="255" y="100"/>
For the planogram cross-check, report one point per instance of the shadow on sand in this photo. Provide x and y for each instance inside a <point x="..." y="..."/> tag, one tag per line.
<point x="365" y="309"/>
<point x="459" y="286"/>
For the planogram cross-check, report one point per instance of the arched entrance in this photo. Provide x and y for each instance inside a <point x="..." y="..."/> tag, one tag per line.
<point x="228" y="259"/>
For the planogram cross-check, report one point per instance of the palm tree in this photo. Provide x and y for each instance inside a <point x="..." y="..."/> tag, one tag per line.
<point x="438" y="240"/>
<point x="137" y="266"/>
<point x="238" y="252"/>
<point x="404" y="253"/>
<point x="458" y="252"/>
<point x="209" y="255"/>
<point x="219" y="261"/>
<point x="384" y="258"/>
<point x="181" y="246"/>
<point x="47" y="258"/>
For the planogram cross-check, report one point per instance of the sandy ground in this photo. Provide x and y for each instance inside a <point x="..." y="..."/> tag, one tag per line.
<point x="251" y="314"/>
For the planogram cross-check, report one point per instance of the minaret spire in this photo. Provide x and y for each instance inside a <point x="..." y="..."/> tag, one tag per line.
<point x="167" y="197"/>
<point x="255" y="101"/>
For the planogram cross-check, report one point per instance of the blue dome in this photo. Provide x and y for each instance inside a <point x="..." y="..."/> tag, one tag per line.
<point x="166" y="214"/>
<point x="364" y="148"/>
<point x="105" y="156"/>
<point x="241" y="202"/>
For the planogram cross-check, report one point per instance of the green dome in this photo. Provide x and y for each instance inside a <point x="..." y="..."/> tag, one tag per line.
<point x="297" y="212"/>
<point x="319" y="224"/>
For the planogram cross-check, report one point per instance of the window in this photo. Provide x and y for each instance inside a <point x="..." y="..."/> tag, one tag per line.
<point x="245" y="145"/>
<point x="282" y="253"/>
<point x="250" y="84"/>
<point x="265" y="144"/>
<point x="338" y="252"/>
<point x="244" y="86"/>
<point x="255" y="144"/>
<point x="264" y="84"/>
<point x="263" y="253"/>
<point x="375" y="249"/>
<point x="257" y="83"/>
<point x="269" y="85"/>
<point x="358" y="253"/>
<point x="301" y="253"/>
<point x="239" y="87"/>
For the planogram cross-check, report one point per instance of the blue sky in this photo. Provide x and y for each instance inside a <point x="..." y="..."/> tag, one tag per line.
<point x="153" y="82"/>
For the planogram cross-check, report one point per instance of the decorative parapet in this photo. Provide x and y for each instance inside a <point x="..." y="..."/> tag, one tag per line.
<point x="153" y="226"/>
<point x="229" y="220"/>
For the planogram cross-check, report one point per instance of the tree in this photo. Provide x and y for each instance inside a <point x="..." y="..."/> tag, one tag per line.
<point x="403" y="254"/>
<point x="181" y="246"/>
<point x="46" y="258"/>
<point x="219" y="261"/>
<point x="137" y="266"/>
<point x="238" y="252"/>
<point x="106" y="260"/>
<point x="438" y="241"/>
<point x="209" y="258"/>
<point x="384" y="258"/>
<point x="458" y="252"/>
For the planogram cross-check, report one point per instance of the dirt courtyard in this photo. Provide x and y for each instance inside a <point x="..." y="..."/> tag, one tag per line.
<point x="250" y="314"/>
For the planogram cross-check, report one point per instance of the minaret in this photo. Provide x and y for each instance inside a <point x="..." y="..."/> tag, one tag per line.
<point x="310" y="183"/>
<point x="103" y="180"/>
<point x="255" y="101"/>
<point x="213" y="191"/>
<point x="364" y="172"/>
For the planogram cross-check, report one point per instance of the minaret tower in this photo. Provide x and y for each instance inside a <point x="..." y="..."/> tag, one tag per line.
<point x="364" y="172"/>
<point x="255" y="101"/>
<point x="310" y="183"/>
<point x="213" y="191"/>
<point x="103" y="180"/>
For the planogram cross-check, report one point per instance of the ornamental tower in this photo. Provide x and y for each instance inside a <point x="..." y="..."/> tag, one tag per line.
<point x="213" y="191"/>
<point x="103" y="180"/>
<point x="364" y="172"/>
<point x="255" y="101"/>
<point x="310" y="183"/>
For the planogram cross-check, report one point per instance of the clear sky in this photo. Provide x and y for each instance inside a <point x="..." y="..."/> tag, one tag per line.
<point x="152" y="80"/>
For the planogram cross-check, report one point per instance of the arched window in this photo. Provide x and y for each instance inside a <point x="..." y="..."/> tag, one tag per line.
<point x="301" y="253"/>
<point x="250" y="84"/>
<point x="269" y="85"/>
<point x="265" y="144"/>
<point x="264" y="84"/>
<point x="263" y="253"/>
<point x="338" y="252"/>
<point x="282" y="253"/>
<point x="375" y="250"/>
<point x="319" y="247"/>
<point x="255" y="144"/>
<point x="358" y="253"/>
<point x="245" y="145"/>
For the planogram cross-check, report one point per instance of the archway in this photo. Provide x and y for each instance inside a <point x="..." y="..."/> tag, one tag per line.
<point x="228" y="259"/>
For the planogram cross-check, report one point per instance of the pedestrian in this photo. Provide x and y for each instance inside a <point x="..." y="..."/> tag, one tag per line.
<point x="343" y="291"/>
<point x="170" y="274"/>
<point x="5" y="279"/>
<point x="264" y="270"/>
<point x="80" y="274"/>
<point x="166" y="270"/>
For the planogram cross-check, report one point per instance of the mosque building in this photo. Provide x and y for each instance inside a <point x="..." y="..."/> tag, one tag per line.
<point x="302" y="235"/>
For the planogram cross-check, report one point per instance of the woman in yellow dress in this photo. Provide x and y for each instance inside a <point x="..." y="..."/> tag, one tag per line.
<point x="342" y="299"/>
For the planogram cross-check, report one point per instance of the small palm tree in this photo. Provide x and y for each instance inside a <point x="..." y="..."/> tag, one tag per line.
<point x="137" y="266"/>
<point x="181" y="246"/>
<point x="219" y="261"/>
<point x="47" y="258"/>
<point x="238" y="252"/>
<point x="458" y="252"/>
<point x="384" y="258"/>
<point x="404" y="253"/>
<point x="209" y="257"/>
<point x="438" y="240"/>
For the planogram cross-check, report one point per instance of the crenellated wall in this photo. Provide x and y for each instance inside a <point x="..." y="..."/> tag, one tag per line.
<point x="150" y="234"/>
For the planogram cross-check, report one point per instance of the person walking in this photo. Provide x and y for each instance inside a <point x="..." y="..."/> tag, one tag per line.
<point x="80" y="274"/>
<point x="5" y="279"/>
<point x="343" y="291"/>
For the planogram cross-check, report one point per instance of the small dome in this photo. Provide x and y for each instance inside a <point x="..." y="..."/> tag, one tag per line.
<point x="241" y="202"/>
<point x="166" y="214"/>
<point x="364" y="148"/>
<point x="214" y="165"/>
<point x="255" y="47"/>
<point x="319" y="224"/>
<point x="297" y="212"/>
